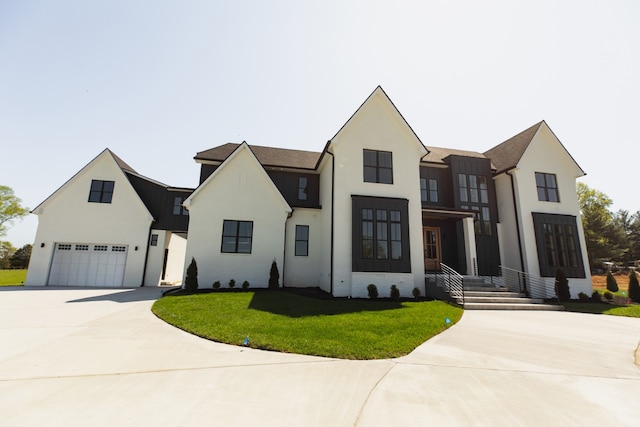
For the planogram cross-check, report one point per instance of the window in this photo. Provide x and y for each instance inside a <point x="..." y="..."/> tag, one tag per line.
<point x="101" y="191"/>
<point x="430" y="193"/>
<point x="82" y="247"/>
<point x="178" y="209"/>
<point x="380" y="235"/>
<point x="558" y="245"/>
<point x="547" y="187"/>
<point x="474" y="189"/>
<point x="302" y="240"/>
<point x="154" y="240"/>
<point x="302" y="188"/>
<point x="237" y="236"/>
<point x="64" y="247"/>
<point x="378" y="167"/>
<point x="100" y="248"/>
<point x="118" y="248"/>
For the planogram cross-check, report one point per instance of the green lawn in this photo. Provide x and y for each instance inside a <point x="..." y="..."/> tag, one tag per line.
<point x="286" y="322"/>
<point x="632" y="310"/>
<point x="12" y="277"/>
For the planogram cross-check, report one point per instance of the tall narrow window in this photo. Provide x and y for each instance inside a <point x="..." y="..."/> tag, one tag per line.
<point x="302" y="240"/>
<point x="378" y="166"/>
<point x="462" y="184"/>
<point x="423" y="190"/>
<point x="547" y="187"/>
<point x="101" y="191"/>
<point x="178" y="208"/>
<point x="302" y="188"/>
<point x="237" y="236"/>
<point x="429" y="190"/>
<point x="367" y="233"/>
<point x="433" y="190"/>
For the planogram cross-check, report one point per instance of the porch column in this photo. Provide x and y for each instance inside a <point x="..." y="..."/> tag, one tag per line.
<point x="469" y="244"/>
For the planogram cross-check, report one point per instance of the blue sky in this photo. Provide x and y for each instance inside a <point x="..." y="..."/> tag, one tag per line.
<point x="158" y="81"/>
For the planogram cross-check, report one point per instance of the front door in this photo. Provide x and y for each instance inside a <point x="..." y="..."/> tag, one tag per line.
<point x="432" y="248"/>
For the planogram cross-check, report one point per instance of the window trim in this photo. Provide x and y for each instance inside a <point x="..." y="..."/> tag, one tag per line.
<point x="236" y="236"/>
<point x="102" y="194"/>
<point x="301" y="240"/>
<point x="566" y="241"/>
<point x="428" y="191"/>
<point x="377" y="167"/>
<point x="544" y="191"/>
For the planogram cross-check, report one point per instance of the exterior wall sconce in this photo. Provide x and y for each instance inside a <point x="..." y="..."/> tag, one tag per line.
<point x="135" y="249"/>
<point x="42" y="245"/>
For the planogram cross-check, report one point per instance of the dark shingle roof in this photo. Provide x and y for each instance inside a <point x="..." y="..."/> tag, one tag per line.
<point x="438" y="154"/>
<point x="267" y="156"/>
<point x="507" y="155"/>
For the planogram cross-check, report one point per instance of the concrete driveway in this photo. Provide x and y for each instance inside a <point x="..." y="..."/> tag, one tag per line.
<point x="100" y="357"/>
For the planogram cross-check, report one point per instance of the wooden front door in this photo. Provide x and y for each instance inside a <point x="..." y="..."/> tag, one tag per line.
<point x="432" y="248"/>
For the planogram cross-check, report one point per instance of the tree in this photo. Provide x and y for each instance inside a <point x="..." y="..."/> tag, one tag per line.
<point x="612" y="283"/>
<point x="634" y="287"/>
<point x="274" y="276"/>
<point x="10" y="208"/>
<point x="604" y="237"/>
<point x="191" y="281"/>
<point x="6" y="252"/>
<point x="20" y="258"/>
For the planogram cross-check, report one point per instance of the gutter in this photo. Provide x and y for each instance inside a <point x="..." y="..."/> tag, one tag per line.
<point x="284" y="249"/>
<point x="333" y="180"/>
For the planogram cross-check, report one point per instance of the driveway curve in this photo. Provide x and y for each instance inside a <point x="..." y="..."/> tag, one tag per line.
<point x="100" y="357"/>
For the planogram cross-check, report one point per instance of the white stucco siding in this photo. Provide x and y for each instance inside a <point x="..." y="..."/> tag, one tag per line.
<point x="304" y="271"/>
<point x="175" y="246"/>
<point x="545" y="154"/>
<point x="509" y="244"/>
<point x="239" y="190"/>
<point x="376" y="126"/>
<point x="68" y="217"/>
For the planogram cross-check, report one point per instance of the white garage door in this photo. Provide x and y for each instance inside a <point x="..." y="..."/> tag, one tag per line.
<point x="82" y="264"/>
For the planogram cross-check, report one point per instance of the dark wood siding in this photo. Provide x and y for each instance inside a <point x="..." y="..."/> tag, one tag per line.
<point x="206" y="171"/>
<point x="160" y="201"/>
<point x="445" y="193"/>
<point x="287" y="183"/>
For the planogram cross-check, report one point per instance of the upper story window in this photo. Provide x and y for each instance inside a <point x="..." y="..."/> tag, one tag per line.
<point x="178" y="209"/>
<point x="101" y="191"/>
<point x="378" y="167"/>
<point x="474" y="195"/>
<point x="547" y="187"/>
<point x="237" y="236"/>
<point x="429" y="190"/>
<point x="302" y="187"/>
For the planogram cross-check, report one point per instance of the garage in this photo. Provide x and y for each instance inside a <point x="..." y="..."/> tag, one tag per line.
<point x="88" y="264"/>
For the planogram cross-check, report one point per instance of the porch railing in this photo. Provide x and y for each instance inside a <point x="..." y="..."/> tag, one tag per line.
<point x="450" y="281"/>
<point x="519" y="281"/>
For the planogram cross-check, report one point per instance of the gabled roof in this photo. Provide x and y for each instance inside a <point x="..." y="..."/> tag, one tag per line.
<point x="507" y="155"/>
<point x="438" y="154"/>
<point x="267" y="156"/>
<point x="225" y="164"/>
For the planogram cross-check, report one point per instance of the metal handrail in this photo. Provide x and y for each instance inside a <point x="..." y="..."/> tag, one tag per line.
<point x="532" y="285"/>
<point x="451" y="281"/>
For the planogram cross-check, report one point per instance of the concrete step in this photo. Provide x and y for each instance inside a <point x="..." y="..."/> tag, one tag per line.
<point x="494" y="294"/>
<point x="485" y="289"/>
<point x="500" y="300"/>
<point x="499" y="306"/>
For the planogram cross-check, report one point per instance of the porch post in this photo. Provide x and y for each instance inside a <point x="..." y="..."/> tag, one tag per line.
<point x="469" y="244"/>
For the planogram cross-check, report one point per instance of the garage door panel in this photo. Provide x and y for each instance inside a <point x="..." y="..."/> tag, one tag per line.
<point x="82" y="264"/>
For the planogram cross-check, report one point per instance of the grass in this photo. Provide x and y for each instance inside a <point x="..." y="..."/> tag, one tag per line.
<point x="631" y="310"/>
<point x="12" y="277"/>
<point x="290" y="323"/>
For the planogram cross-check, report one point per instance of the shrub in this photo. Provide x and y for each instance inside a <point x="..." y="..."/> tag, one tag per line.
<point x="191" y="281"/>
<point x="583" y="297"/>
<point x="612" y="284"/>
<point x="634" y="287"/>
<point x="274" y="276"/>
<point x="232" y="283"/>
<point x="216" y="284"/>
<point x="416" y="292"/>
<point x="373" y="291"/>
<point x="562" y="286"/>
<point x="608" y="295"/>
<point x="245" y="285"/>
<point x="595" y="296"/>
<point x="395" y="292"/>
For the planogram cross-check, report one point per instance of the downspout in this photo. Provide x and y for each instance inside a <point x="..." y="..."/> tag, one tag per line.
<point x="515" y="208"/>
<point x="284" y="249"/>
<point x="146" y="256"/>
<point x="333" y="180"/>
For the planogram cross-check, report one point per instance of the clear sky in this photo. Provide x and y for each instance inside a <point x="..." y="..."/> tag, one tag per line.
<point x="157" y="81"/>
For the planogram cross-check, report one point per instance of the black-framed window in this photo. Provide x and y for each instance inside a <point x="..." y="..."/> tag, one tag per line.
<point x="547" y="187"/>
<point x="154" y="240"/>
<point x="101" y="191"/>
<point x="302" y="187"/>
<point x="558" y="245"/>
<point x="237" y="236"/>
<point x="380" y="234"/>
<point x="429" y="190"/>
<point x="178" y="209"/>
<point x="302" y="240"/>
<point x="378" y="166"/>
<point x="474" y="193"/>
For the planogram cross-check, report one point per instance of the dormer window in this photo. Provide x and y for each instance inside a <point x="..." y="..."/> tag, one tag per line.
<point x="101" y="191"/>
<point x="378" y="167"/>
<point x="547" y="187"/>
